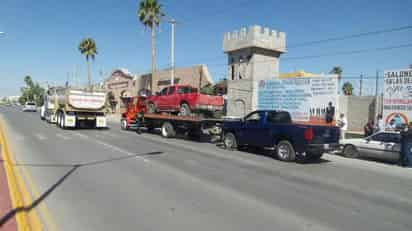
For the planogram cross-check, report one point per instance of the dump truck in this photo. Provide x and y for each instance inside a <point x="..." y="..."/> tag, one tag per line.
<point x="71" y="107"/>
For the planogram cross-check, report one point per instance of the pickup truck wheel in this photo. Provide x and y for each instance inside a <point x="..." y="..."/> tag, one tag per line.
<point x="151" y="108"/>
<point x="168" y="131"/>
<point x="184" y="110"/>
<point x="230" y="141"/>
<point x="285" y="151"/>
<point x="350" y="151"/>
<point x="123" y="124"/>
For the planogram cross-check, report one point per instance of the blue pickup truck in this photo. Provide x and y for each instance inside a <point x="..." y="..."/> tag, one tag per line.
<point x="275" y="130"/>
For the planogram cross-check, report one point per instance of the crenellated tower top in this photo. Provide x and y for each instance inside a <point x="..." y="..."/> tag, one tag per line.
<point x="255" y="36"/>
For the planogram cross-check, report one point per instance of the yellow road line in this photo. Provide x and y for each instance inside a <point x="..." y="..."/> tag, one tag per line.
<point x="20" y="195"/>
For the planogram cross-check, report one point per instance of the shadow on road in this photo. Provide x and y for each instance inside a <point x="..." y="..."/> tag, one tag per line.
<point x="73" y="167"/>
<point x="270" y="154"/>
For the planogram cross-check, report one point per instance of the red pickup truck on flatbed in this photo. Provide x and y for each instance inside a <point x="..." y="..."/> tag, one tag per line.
<point x="183" y="99"/>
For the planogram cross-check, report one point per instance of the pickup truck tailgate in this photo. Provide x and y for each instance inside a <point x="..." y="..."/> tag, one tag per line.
<point x="210" y="100"/>
<point x="325" y="135"/>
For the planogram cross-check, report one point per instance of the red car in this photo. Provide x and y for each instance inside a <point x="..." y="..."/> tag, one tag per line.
<point x="183" y="99"/>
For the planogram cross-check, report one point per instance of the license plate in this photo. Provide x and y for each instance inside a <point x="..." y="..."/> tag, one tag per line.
<point x="326" y="146"/>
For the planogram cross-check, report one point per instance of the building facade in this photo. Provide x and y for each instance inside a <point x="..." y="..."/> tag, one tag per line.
<point x="121" y="85"/>
<point x="253" y="55"/>
<point x="197" y="76"/>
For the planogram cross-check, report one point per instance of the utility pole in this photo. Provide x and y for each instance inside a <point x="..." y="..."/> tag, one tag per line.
<point x="360" y="84"/>
<point x="172" y="52"/>
<point x="376" y="83"/>
<point x="377" y="98"/>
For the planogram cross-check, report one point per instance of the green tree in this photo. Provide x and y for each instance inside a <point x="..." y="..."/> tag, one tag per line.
<point x="347" y="88"/>
<point x="337" y="70"/>
<point x="87" y="47"/>
<point x="208" y="89"/>
<point x="149" y="14"/>
<point x="31" y="92"/>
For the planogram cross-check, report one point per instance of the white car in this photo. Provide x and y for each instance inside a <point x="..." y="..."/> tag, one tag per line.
<point x="383" y="145"/>
<point x="29" y="106"/>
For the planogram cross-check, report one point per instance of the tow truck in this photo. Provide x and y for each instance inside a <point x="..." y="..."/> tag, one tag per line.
<point x="138" y="116"/>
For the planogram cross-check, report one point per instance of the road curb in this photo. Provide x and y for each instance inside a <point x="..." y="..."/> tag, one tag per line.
<point x="21" y="199"/>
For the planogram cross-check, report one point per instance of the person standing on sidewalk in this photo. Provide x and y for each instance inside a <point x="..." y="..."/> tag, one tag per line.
<point x="380" y="125"/>
<point x="343" y="124"/>
<point x="330" y="113"/>
<point x="406" y="145"/>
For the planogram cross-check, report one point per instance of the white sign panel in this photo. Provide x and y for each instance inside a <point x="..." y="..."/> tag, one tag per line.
<point x="306" y="99"/>
<point x="397" y="97"/>
<point x="82" y="100"/>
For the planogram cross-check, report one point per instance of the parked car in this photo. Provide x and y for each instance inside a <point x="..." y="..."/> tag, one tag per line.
<point x="183" y="99"/>
<point x="383" y="145"/>
<point x="275" y="130"/>
<point x="30" y="106"/>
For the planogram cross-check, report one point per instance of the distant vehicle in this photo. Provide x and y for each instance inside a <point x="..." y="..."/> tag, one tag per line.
<point x="30" y="106"/>
<point x="274" y="130"/>
<point x="183" y="99"/>
<point x="383" y="145"/>
<point x="74" y="107"/>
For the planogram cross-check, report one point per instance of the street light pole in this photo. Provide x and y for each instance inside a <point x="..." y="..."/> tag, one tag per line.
<point x="172" y="52"/>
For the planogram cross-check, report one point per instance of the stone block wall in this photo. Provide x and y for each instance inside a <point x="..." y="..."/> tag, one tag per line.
<point x="358" y="110"/>
<point x="240" y="99"/>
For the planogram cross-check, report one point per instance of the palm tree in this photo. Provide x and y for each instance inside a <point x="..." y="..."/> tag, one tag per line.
<point x="347" y="88"/>
<point x="150" y="13"/>
<point x="88" y="48"/>
<point x="337" y="70"/>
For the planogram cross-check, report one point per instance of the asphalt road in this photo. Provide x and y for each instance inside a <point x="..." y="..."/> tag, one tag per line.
<point x="118" y="180"/>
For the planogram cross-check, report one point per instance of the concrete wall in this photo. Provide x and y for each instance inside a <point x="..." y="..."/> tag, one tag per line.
<point x="240" y="98"/>
<point x="358" y="110"/>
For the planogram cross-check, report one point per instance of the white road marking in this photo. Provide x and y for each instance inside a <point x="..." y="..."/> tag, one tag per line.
<point x="19" y="137"/>
<point x="61" y="136"/>
<point x="40" y="136"/>
<point x="114" y="148"/>
<point x="108" y="134"/>
<point x="80" y="135"/>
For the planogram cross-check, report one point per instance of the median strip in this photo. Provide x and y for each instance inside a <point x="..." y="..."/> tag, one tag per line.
<point x="26" y="217"/>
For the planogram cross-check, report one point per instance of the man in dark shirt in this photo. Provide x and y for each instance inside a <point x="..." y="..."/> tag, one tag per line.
<point x="406" y="145"/>
<point x="330" y="113"/>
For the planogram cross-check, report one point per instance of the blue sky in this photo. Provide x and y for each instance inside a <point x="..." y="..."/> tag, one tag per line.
<point x="42" y="36"/>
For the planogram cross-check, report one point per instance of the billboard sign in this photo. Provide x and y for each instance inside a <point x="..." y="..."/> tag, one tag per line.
<point x="397" y="97"/>
<point x="306" y="99"/>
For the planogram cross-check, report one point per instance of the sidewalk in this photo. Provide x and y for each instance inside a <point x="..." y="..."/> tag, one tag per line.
<point x="5" y="200"/>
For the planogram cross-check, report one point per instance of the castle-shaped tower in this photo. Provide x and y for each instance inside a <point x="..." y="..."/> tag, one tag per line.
<point x="253" y="55"/>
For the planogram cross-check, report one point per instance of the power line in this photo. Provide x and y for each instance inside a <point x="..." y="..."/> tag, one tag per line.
<point x="350" y="52"/>
<point x="332" y="54"/>
<point x="333" y="39"/>
<point x="344" y="37"/>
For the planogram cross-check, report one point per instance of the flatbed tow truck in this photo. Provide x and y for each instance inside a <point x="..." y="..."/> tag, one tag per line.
<point x="137" y="117"/>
